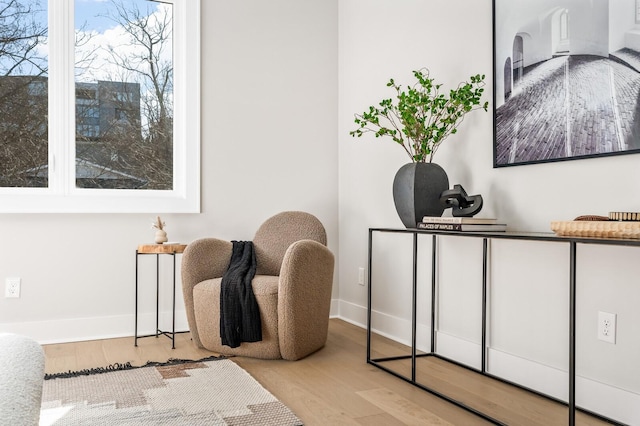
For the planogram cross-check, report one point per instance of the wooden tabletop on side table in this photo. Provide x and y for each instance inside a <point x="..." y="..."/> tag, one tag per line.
<point x="161" y="248"/>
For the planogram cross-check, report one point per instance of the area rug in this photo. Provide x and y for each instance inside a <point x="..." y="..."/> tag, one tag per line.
<point x="214" y="391"/>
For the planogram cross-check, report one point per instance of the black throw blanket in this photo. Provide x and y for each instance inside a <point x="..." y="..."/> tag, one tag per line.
<point x="239" y="313"/>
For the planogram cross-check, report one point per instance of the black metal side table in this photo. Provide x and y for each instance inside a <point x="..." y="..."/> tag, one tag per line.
<point x="157" y="250"/>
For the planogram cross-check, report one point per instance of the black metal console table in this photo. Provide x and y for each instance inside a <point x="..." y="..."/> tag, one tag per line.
<point x="485" y="236"/>
<point x="157" y="250"/>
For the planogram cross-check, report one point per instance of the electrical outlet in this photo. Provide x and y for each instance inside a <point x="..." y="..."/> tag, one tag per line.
<point x="12" y="287"/>
<point x="607" y="327"/>
<point x="361" y="276"/>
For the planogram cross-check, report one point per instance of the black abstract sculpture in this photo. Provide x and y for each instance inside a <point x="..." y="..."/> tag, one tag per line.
<point x="462" y="205"/>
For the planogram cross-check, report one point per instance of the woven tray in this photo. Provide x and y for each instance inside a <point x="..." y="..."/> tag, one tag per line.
<point x="599" y="229"/>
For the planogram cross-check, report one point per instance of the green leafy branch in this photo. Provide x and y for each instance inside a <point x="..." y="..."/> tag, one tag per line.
<point x="422" y="117"/>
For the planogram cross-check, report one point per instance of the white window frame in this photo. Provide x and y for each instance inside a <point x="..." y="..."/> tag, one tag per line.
<point x="62" y="196"/>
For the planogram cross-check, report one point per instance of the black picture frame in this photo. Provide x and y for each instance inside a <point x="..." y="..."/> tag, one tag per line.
<point x="566" y="80"/>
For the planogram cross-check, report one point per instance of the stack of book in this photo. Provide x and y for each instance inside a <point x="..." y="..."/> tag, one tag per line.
<point x="464" y="224"/>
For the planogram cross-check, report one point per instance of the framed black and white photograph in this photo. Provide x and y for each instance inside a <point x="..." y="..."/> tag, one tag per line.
<point x="566" y="79"/>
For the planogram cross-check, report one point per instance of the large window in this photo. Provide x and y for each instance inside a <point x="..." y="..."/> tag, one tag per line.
<point x="99" y="105"/>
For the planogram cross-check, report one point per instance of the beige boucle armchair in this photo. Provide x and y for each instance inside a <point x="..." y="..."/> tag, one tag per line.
<point x="292" y="286"/>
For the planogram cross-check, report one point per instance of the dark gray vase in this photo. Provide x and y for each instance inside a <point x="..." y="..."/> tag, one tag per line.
<point x="416" y="192"/>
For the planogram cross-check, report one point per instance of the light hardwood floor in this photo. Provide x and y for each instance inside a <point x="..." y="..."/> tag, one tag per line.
<point x="335" y="386"/>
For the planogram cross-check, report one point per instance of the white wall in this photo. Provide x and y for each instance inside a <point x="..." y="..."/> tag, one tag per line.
<point x="269" y="95"/>
<point x="380" y="39"/>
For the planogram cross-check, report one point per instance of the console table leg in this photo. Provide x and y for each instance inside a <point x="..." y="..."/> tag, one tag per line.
<point x="135" y="332"/>
<point x="414" y="308"/>
<point x="173" y="329"/>
<point x="369" y="267"/>
<point x="157" y="295"/>
<point x="572" y="333"/>
<point x="483" y="357"/>
<point x="434" y="259"/>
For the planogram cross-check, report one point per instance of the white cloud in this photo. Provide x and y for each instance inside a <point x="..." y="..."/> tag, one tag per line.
<point x="117" y="39"/>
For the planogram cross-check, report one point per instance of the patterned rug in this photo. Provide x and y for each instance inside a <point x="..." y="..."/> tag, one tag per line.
<point x="215" y="391"/>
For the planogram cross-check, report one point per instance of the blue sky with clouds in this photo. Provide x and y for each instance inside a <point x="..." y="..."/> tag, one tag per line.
<point x="89" y="11"/>
<point x="91" y="16"/>
<point x="92" y="12"/>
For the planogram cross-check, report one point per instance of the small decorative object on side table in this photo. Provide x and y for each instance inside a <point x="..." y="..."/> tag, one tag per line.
<point x="158" y="249"/>
<point x="161" y="234"/>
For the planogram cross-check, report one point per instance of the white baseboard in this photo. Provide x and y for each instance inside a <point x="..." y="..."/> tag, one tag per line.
<point x="94" y="328"/>
<point x="352" y="313"/>
<point x="81" y="329"/>
<point x="602" y="398"/>
<point x="334" y="311"/>
<point x="459" y="350"/>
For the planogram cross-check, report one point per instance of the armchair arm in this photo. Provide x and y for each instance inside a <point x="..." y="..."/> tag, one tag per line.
<point x="203" y="259"/>
<point x="304" y="298"/>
